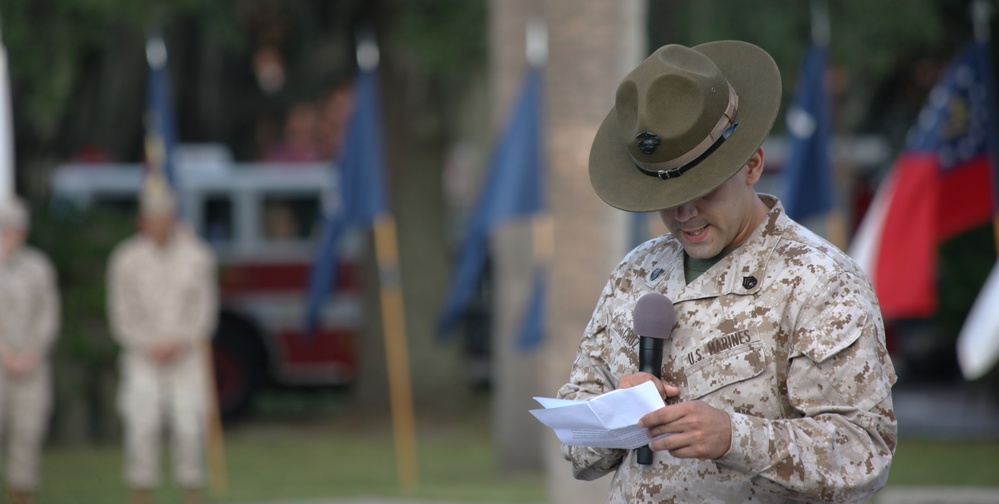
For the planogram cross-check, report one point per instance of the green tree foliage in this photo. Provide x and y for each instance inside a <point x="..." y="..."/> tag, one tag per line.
<point x="885" y="53"/>
<point x="78" y="244"/>
<point x="82" y="83"/>
<point x="51" y="42"/>
<point x="446" y="37"/>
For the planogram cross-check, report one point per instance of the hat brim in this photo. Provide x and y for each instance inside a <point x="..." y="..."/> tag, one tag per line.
<point x="756" y="80"/>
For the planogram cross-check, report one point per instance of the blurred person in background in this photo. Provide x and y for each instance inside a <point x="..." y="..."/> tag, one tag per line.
<point x="300" y="142"/>
<point x="776" y="379"/>
<point x="29" y="325"/>
<point x="162" y="303"/>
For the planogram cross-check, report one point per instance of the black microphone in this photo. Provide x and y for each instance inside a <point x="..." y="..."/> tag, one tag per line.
<point x="653" y="318"/>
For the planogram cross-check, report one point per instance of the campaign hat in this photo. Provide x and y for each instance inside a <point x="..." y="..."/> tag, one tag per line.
<point x="684" y="121"/>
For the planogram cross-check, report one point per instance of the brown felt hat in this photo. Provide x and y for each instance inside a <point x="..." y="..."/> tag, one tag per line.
<point x="684" y="121"/>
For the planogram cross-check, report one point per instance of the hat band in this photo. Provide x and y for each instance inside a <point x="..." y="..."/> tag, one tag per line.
<point x="678" y="165"/>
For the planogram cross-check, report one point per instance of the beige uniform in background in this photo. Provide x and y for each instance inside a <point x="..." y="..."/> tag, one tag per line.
<point x="29" y="322"/>
<point x="158" y="294"/>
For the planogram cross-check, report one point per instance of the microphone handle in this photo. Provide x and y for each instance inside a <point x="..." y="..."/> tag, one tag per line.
<point x="650" y="360"/>
<point x="650" y="355"/>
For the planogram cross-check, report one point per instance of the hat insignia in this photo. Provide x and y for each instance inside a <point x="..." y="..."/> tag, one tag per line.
<point x="648" y="142"/>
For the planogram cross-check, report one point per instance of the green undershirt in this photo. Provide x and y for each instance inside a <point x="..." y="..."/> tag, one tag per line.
<point x="692" y="267"/>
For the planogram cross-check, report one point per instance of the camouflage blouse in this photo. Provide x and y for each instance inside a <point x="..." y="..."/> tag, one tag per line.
<point x="29" y="302"/>
<point x="162" y="293"/>
<point x="785" y="334"/>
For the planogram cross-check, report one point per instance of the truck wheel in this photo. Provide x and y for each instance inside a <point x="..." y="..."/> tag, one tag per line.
<point x="238" y="371"/>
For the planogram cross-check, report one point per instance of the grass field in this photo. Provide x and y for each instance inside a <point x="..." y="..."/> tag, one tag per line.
<point x="332" y="455"/>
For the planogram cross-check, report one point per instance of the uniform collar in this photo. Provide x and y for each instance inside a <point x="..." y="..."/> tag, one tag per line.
<point x="741" y="272"/>
<point x="13" y="257"/>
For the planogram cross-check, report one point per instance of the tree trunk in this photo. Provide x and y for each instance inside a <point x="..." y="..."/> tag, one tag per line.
<point x="516" y="434"/>
<point x="592" y="46"/>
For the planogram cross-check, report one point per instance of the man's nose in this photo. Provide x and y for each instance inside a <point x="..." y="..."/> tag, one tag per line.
<point x="684" y="212"/>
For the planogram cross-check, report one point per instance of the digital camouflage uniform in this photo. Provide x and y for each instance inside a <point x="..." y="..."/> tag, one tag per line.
<point x="784" y="334"/>
<point x="29" y="321"/>
<point x="158" y="294"/>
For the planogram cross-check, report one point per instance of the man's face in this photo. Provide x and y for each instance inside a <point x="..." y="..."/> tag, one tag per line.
<point x="719" y="220"/>
<point x="11" y="239"/>
<point x="158" y="227"/>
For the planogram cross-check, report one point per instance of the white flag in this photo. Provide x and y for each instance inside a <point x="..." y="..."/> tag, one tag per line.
<point x="978" y="343"/>
<point x="6" y="130"/>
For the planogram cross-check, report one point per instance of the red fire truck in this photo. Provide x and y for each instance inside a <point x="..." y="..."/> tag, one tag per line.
<point x="262" y="220"/>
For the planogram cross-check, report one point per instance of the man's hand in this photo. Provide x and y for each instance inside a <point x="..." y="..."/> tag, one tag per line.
<point x="166" y="351"/>
<point x="697" y="429"/>
<point x="19" y="364"/>
<point x="632" y="380"/>
<point x="8" y="359"/>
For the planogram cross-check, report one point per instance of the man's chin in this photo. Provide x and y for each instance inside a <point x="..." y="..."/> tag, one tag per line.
<point x="700" y="250"/>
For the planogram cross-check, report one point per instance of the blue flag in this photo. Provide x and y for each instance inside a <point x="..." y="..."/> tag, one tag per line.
<point x="361" y="195"/>
<point x="161" y="128"/>
<point x="533" y="325"/>
<point x="808" y="186"/>
<point x="513" y="188"/>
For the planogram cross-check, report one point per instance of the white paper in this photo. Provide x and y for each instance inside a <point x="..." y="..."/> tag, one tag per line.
<point x="607" y="421"/>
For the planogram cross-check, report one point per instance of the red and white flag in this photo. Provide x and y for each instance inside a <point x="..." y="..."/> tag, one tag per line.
<point x="939" y="186"/>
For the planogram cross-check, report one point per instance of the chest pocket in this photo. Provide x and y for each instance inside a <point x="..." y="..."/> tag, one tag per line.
<point x="735" y="364"/>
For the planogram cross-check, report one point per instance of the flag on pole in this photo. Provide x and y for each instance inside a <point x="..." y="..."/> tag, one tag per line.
<point x="978" y="342"/>
<point x="361" y="197"/>
<point x="362" y="203"/>
<point x="513" y="188"/>
<point x="532" y="326"/>
<point x="808" y="185"/>
<point x="7" y="167"/>
<point x="161" y="128"/>
<point x="938" y="187"/>
<point x="160" y="141"/>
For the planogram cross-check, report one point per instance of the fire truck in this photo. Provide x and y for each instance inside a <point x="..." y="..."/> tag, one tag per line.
<point x="262" y="220"/>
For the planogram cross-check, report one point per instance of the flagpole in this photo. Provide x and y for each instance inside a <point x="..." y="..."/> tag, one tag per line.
<point x="158" y="156"/>
<point x="981" y="15"/>
<point x="821" y="33"/>
<point x="7" y="159"/>
<point x="820" y="23"/>
<point x="393" y="322"/>
<point x="218" y="482"/>
<point x="543" y="238"/>
<point x="396" y="353"/>
<point x="543" y="223"/>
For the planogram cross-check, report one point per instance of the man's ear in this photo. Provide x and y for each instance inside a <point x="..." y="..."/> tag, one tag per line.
<point x="754" y="167"/>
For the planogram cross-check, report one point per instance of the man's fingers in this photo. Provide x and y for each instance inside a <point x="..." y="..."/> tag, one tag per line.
<point x="696" y="430"/>
<point x="635" y="379"/>
<point x="681" y="451"/>
<point x="666" y="390"/>
<point x="657" y="421"/>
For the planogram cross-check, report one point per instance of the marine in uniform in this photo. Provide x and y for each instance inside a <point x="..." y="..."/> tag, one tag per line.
<point x="29" y="325"/>
<point x="162" y="302"/>
<point x="776" y="378"/>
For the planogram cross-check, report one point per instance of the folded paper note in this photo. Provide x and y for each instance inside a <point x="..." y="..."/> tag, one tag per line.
<point x="608" y="420"/>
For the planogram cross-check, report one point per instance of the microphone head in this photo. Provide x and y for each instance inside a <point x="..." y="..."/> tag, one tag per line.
<point x="654" y="316"/>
